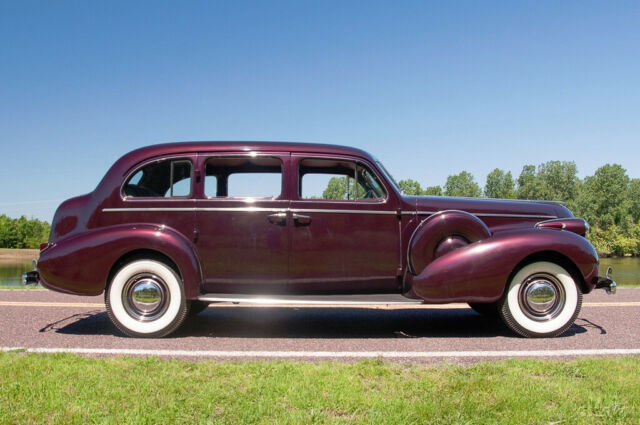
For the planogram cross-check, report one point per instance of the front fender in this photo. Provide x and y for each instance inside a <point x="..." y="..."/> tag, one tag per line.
<point x="479" y="272"/>
<point x="435" y="236"/>
<point x="81" y="264"/>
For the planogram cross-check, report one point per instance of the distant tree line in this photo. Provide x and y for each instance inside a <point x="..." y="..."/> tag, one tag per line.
<point x="609" y="200"/>
<point x="22" y="232"/>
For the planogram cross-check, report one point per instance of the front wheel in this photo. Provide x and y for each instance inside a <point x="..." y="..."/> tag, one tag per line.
<point x="541" y="300"/>
<point x="146" y="299"/>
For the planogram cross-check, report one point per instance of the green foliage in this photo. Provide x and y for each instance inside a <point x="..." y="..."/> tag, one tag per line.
<point x="559" y="180"/>
<point x="529" y="187"/>
<point x="343" y="188"/>
<point x="22" y="232"/>
<point x="410" y="187"/>
<point x="634" y="200"/>
<point x="554" y="180"/>
<point x="462" y="184"/>
<point x="604" y="198"/>
<point x="500" y="185"/>
<point x="433" y="191"/>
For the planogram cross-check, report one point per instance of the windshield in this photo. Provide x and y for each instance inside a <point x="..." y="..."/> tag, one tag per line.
<point x="389" y="176"/>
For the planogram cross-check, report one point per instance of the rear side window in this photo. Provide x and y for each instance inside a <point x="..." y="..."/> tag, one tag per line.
<point x="243" y="177"/>
<point x="342" y="180"/>
<point x="162" y="179"/>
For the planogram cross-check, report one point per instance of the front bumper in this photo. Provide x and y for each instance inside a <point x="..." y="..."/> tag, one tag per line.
<point x="607" y="283"/>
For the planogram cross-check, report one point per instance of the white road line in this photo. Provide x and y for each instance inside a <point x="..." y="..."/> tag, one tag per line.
<point x="329" y="354"/>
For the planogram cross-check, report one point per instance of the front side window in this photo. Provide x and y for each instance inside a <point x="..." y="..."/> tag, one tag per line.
<point x="243" y="177"/>
<point x="161" y="179"/>
<point x="342" y="180"/>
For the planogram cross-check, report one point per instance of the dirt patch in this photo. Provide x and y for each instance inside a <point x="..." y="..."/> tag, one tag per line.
<point x="17" y="255"/>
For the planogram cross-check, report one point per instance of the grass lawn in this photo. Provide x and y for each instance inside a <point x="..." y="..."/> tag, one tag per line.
<point x="69" y="389"/>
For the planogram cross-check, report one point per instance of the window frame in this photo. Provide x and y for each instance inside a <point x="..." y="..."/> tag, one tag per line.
<point x="358" y="162"/>
<point x="251" y="155"/>
<point x="134" y="169"/>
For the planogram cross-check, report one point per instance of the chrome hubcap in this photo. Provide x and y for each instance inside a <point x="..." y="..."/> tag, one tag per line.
<point x="145" y="297"/>
<point x="541" y="297"/>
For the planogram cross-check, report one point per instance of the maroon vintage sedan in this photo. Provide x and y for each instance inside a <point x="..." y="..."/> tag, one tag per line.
<point x="174" y="227"/>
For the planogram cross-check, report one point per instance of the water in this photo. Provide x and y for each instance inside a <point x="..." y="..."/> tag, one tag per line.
<point x="626" y="271"/>
<point x="11" y="272"/>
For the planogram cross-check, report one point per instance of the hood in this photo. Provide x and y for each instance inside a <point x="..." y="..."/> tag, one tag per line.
<point x="542" y="210"/>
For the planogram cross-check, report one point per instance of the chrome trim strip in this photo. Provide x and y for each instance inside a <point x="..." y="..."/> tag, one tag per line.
<point x="287" y="301"/>
<point x="318" y="210"/>
<point x="248" y="209"/>
<point x="311" y="210"/>
<point x="536" y="216"/>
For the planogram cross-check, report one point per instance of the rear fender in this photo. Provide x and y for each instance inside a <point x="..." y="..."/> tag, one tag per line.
<point x="81" y="264"/>
<point x="479" y="272"/>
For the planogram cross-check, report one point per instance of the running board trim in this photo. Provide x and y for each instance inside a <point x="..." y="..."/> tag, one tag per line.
<point x="346" y="300"/>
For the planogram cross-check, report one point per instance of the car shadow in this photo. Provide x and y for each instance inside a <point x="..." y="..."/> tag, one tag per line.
<point x="326" y="323"/>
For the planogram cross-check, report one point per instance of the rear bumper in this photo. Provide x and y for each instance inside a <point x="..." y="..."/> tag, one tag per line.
<point x="31" y="278"/>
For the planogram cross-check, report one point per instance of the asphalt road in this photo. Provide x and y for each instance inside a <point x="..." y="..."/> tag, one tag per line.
<point x="48" y="321"/>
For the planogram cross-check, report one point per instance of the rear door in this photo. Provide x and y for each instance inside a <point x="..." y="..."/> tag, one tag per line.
<point x="243" y="239"/>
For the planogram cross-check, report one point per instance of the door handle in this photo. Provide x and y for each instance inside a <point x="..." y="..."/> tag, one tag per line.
<point x="302" y="220"/>
<point x="278" y="218"/>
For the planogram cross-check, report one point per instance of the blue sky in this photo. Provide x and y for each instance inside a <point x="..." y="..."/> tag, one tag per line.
<point x="431" y="88"/>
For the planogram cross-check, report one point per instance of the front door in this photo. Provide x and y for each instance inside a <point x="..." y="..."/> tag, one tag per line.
<point x="241" y="214"/>
<point x="345" y="228"/>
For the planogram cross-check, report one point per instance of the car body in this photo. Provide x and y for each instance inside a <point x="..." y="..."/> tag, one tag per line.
<point x="173" y="227"/>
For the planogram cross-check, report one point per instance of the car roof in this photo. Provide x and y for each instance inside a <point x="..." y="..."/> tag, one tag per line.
<point x="239" y="146"/>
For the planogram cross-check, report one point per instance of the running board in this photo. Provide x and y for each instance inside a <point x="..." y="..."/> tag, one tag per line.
<point x="350" y="299"/>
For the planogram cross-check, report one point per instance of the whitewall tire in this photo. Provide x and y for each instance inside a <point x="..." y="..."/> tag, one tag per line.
<point x="146" y="299"/>
<point x="541" y="300"/>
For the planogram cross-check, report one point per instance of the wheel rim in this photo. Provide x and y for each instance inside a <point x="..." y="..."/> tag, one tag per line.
<point x="145" y="297"/>
<point x="541" y="297"/>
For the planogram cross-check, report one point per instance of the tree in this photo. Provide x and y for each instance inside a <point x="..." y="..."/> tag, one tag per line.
<point x="604" y="198"/>
<point x="559" y="180"/>
<point x="433" y="191"/>
<point x="342" y="188"/>
<point x="462" y="184"/>
<point x="410" y="187"/>
<point x="500" y="185"/>
<point x="529" y="186"/>
<point x="22" y="232"/>
<point x="634" y="200"/>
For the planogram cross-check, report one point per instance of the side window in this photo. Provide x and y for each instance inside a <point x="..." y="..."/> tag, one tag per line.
<point x="243" y="177"/>
<point x="161" y="179"/>
<point x="337" y="180"/>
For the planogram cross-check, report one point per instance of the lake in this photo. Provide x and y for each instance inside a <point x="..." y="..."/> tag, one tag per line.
<point x="626" y="271"/>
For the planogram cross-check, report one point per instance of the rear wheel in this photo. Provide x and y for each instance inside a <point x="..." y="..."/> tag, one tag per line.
<point x="541" y="300"/>
<point x="146" y="299"/>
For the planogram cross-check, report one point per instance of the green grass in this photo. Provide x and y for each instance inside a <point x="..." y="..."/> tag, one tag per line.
<point x="22" y="287"/>
<point x="68" y="389"/>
